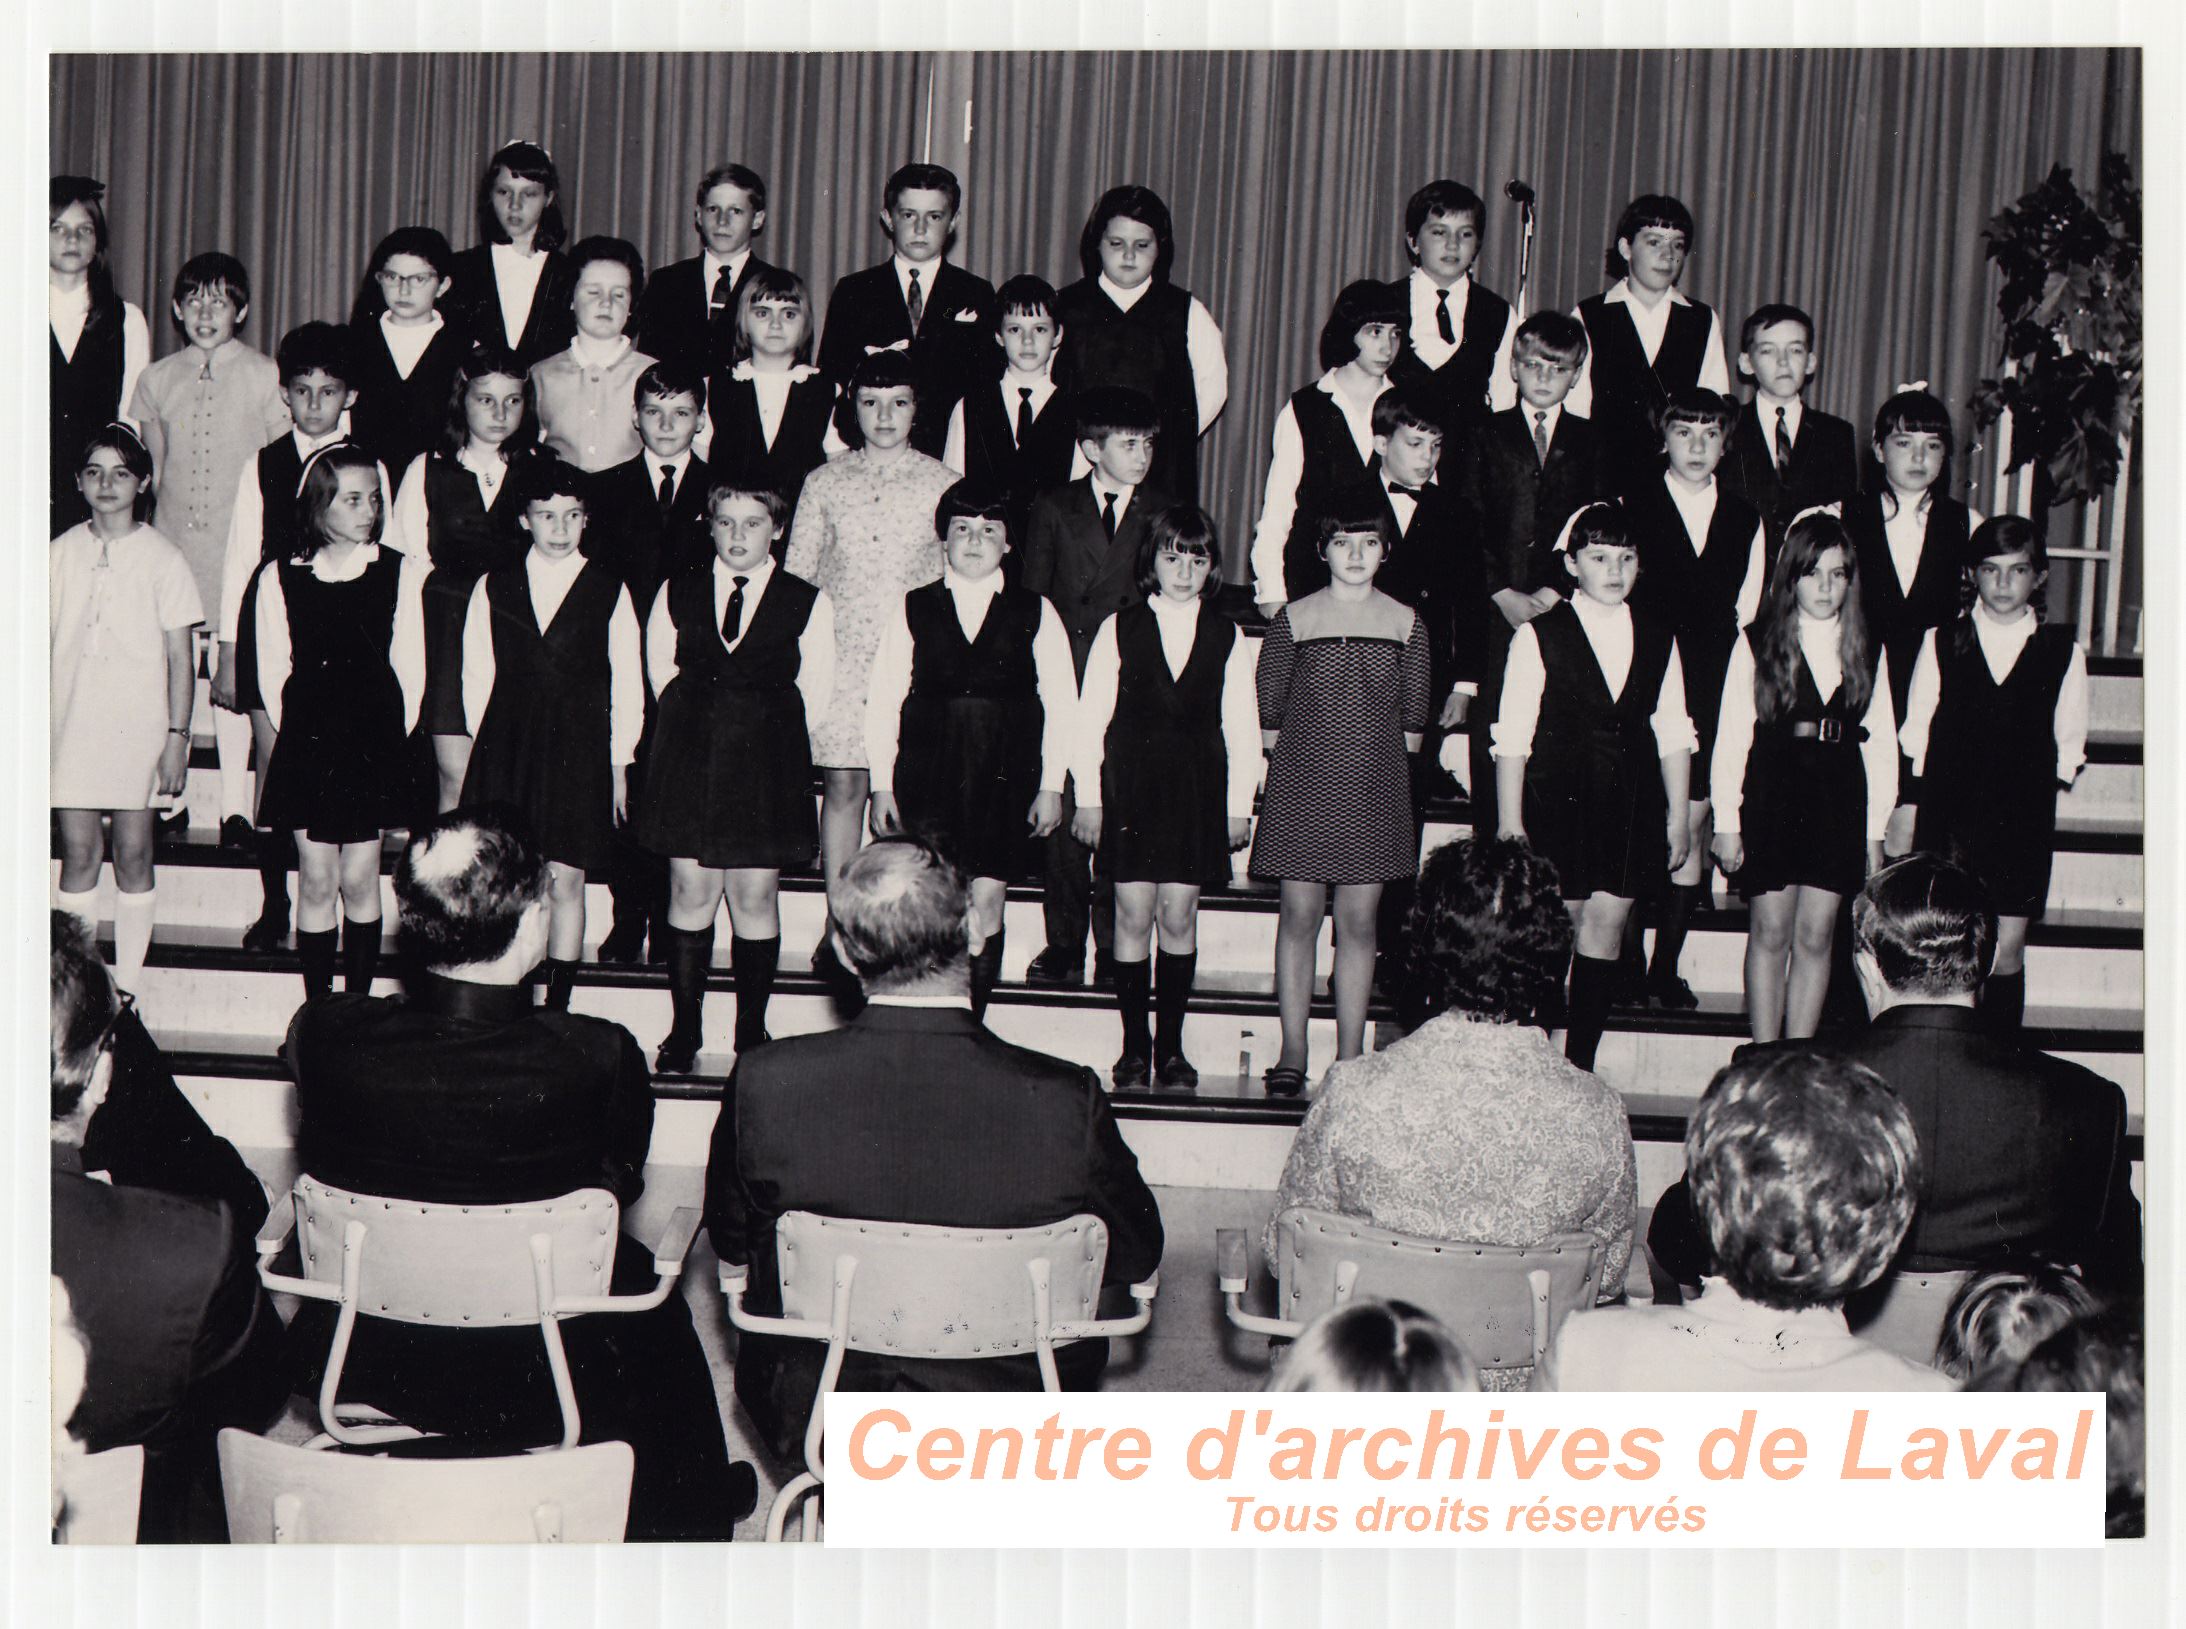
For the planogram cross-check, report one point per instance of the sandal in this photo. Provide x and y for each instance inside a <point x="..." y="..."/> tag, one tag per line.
<point x="1283" y="1081"/>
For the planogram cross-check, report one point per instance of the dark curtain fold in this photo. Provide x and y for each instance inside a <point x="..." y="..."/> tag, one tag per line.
<point x="1854" y="183"/>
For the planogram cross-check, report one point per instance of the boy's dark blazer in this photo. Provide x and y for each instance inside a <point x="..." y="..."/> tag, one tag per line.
<point x="1825" y="468"/>
<point x="675" y="314"/>
<point x="627" y="533"/>
<point x="1436" y="571"/>
<point x="954" y="345"/>
<point x="474" y="301"/>
<point x="1518" y="504"/>
<point x="1084" y="573"/>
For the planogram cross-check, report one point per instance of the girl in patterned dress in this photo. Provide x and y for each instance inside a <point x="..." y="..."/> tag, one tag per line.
<point x="1344" y="685"/>
<point x="864" y="536"/>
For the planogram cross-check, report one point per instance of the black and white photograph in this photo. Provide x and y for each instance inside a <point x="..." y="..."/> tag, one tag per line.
<point x="1155" y="715"/>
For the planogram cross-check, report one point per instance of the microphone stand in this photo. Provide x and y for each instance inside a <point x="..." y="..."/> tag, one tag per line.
<point x="1522" y="195"/>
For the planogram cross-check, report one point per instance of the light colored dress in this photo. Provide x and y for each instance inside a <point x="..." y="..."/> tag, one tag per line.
<point x="864" y="536"/>
<point x="113" y="602"/>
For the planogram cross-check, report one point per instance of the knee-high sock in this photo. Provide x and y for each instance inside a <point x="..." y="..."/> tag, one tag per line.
<point x="1134" y="981"/>
<point x="1593" y="981"/>
<point x="133" y="915"/>
<point x="83" y="905"/>
<point x="360" y="954"/>
<point x="1173" y="977"/>
<point x="276" y="854"/>
<point x="318" y="951"/>
<point x="690" y="954"/>
<point x="231" y="740"/>
<point x="752" y="963"/>
<point x="2004" y="1001"/>
<point x="1676" y="916"/>
<point x="986" y="972"/>
<point x="561" y="979"/>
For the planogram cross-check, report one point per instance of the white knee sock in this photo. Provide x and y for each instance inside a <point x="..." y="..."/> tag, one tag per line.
<point x="231" y="735"/>
<point x="84" y="905"/>
<point x="132" y="936"/>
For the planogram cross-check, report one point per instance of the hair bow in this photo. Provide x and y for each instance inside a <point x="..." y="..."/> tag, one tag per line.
<point x="317" y="453"/>
<point x="1578" y="515"/>
<point x="1835" y="511"/>
<point x="1907" y="390"/>
<point x="525" y="141"/>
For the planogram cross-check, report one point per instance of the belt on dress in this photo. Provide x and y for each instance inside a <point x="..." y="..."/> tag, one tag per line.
<point x="1830" y="731"/>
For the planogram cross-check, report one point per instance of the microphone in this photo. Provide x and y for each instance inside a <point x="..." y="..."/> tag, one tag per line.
<point x="1518" y="192"/>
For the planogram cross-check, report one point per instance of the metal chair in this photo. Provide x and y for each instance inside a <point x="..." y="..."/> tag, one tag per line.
<point x="100" y="1494"/>
<point x="278" y="1494"/>
<point x="1502" y="1301"/>
<point x="1903" y="1312"/>
<point x="911" y="1290"/>
<point x="459" y="1267"/>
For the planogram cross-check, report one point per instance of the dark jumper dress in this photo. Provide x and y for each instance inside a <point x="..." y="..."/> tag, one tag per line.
<point x="1805" y="813"/>
<point x="340" y="771"/>
<point x="1988" y="798"/>
<point x="1145" y="349"/>
<point x="968" y="753"/>
<point x="544" y="740"/>
<point x="280" y="468"/>
<point x="467" y="540"/>
<point x="728" y="776"/>
<point x="1165" y="775"/>
<point x="1594" y="803"/>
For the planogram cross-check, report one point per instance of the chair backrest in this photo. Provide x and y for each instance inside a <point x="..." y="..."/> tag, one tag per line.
<point x="1502" y="1301"/>
<point x="277" y="1494"/>
<point x="99" y="1496"/>
<point x="941" y="1292"/>
<point x="468" y="1266"/>
<point x="1903" y="1312"/>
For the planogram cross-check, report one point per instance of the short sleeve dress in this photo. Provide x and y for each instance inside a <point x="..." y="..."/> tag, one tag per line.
<point x="1345" y="685"/>
<point x="113" y="601"/>
<point x="864" y="536"/>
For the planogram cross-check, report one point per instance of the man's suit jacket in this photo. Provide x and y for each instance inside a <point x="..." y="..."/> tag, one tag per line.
<point x="953" y="347"/>
<point x="627" y="532"/>
<point x="1084" y="573"/>
<point x="675" y="319"/>
<point x="181" y="1339"/>
<point x="1825" y="468"/>
<point x="912" y="1114"/>
<point x="2020" y="1153"/>
<point x="1519" y="503"/>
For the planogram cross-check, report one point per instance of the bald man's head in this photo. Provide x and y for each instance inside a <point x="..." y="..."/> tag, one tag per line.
<point x="463" y="885"/>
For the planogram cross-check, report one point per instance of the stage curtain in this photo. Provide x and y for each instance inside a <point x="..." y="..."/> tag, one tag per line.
<point x="1854" y="183"/>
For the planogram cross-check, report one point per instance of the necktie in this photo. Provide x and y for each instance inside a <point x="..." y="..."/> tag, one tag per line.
<point x="1783" y="445"/>
<point x="723" y="286"/>
<point x="916" y="302"/>
<point x="1442" y="317"/>
<point x="667" y="487"/>
<point x="1108" y="513"/>
<point x="1024" y="414"/>
<point x="1540" y="437"/>
<point x="732" y="619"/>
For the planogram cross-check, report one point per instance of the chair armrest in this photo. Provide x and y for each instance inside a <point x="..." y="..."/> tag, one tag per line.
<point x="1142" y="1292"/>
<point x="273" y="1236"/>
<point x="1232" y="1269"/>
<point x="276" y="1230"/>
<point x="734" y="1278"/>
<point x="675" y="1241"/>
<point x="675" y="1244"/>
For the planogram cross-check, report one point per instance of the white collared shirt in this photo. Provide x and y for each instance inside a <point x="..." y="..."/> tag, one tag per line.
<point x="516" y="280"/>
<point x="407" y="341"/>
<point x="1101" y="488"/>
<point x="1735" y="726"/>
<point x="771" y="391"/>
<point x="1431" y="348"/>
<point x="1608" y="630"/>
<point x="1055" y="676"/>
<point x="2001" y="645"/>
<point x="405" y="644"/>
<point x="927" y="272"/>
<point x="410" y="527"/>
<point x="1905" y="530"/>
<point x="815" y="645"/>
<point x="1794" y="412"/>
<point x="681" y="464"/>
<point x="1038" y="386"/>
<point x="1651" y="323"/>
<point x="1697" y="511"/>
<point x="550" y="582"/>
<point x="1177" y="624"/>
<point x="247" y="528"/>
<point x="712" y="266"/>
<point x="1286" y="470"/>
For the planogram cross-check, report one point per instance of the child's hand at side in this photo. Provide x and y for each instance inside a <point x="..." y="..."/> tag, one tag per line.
<point x="1730" y="852"/>
<point x="886" y="821"/>
<point x="1085" y="825"/>
<point x="1681" y="839"/>
<point x="224" y="680"/>
<point x="1240" y="832"/>
<point x="622" y="794"/>
<point x="1046" y="813"/>
<point x="174" y="764"/>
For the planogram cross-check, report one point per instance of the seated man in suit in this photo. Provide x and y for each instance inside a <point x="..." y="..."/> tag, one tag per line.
<point x="912" y="1113"/>
<point x="182" y="1341"/>
<point x="2021" y="1153"/>
<point x="464" y="1093"/>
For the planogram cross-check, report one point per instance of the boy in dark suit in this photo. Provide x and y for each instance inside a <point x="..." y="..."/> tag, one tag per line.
<point x="688" y="310"/>
<point x="647" y="519"/>
<point x="1457" y="347"/>
<point x="917" y="302"/>
<point x="1081" y="552"/>
<point x="1017" y="435"/>
<point x="1785" y="456"/>
<point x="1522" y="477"/>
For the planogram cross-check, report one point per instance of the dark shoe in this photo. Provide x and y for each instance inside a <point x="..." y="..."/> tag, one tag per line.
<point x="268" y="935"/>
<point x="1284" y="1081"/>
<point x="678" y="1055"/>
<point x="826" y="964"/>
<point x="743" y="1489"/>
<point x="1132" y="1073"/>
<point x="1178" y="1075"/>
<point x="174" y="825"/>
<point x="1104" y="970"/>
<point x="625" y="942"/>
<point x="236" y="832"/>
<point x="1052" y="968"/>
<point x="1629" y="986"/>
<point x="1671" y="993"/>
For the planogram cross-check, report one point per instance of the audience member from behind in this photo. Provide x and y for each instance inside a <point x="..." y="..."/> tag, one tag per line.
<point x="463" y="1093"/>
<point x="182" y="1340"/>
<point x="912" y="1112"/>
<point x="1803" y="1169"/>
<point x="1474" y="1126"/>
<point x="2002" y="1313"/>
<point x="1376" y="1346"/>
<point x="2103" y="1352"/>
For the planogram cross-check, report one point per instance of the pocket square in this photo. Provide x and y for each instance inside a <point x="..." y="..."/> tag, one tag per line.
<point x="966" y="315"/>
<point x="898" y="345"/>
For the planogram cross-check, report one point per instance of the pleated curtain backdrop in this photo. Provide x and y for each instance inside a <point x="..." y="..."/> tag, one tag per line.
<point x="1854" y="183"/>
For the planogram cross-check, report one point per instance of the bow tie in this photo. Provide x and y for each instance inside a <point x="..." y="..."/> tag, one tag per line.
<point x="1411" y="492"/>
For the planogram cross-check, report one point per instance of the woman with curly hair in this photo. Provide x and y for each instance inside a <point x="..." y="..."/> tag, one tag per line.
<point x="1474" y="1127"/>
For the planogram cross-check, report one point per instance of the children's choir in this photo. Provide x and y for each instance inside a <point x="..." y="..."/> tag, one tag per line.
<point x="659" y="549"/>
